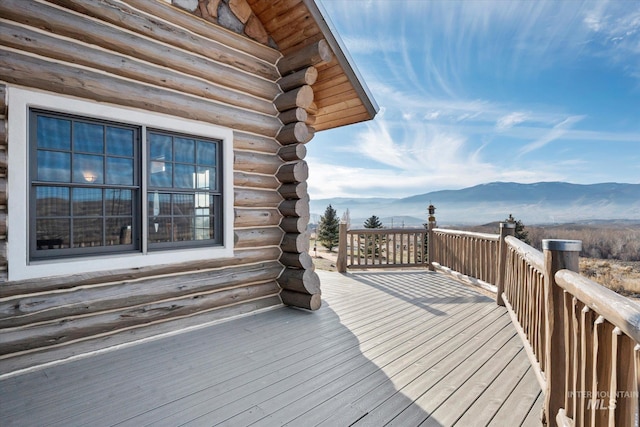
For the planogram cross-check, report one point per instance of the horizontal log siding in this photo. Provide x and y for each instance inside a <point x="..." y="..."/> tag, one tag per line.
<point x="165" y="61"/>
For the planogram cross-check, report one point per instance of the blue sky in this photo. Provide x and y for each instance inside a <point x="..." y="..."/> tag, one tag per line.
<point x="477" y="91"/>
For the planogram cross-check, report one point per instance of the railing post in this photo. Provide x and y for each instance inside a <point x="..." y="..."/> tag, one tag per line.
<point x="341" y="262"/>
<point x="430" y="245"/>
<point x="558" y="255"/>
<point x="506" y="229"/>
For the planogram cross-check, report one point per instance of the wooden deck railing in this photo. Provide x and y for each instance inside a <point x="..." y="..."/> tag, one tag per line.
<point x="381" y="248"/>
<point x="602" y="354"/>
<point x="583" y="340"/>
<point x="471" y="255"/>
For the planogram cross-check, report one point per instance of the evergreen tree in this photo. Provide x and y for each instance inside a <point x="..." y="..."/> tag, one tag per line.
<point x="373" y="244"/>
<point x="520" y="234"/>
<point x="373" y="222"/>
<point x="329" y="229"/>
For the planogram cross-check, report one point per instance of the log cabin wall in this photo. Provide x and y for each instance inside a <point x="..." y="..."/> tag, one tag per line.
<point x="301" y="286"/>
<point x="152" y="56"/>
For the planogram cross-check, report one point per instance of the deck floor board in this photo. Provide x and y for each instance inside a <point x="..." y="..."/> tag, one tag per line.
<point x="404" y="348"/>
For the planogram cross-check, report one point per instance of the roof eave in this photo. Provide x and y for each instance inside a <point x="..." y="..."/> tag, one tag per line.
<point x="330" y="34"/>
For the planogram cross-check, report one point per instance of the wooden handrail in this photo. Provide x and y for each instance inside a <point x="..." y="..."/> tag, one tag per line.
<point x="484" y="236"/>
<point x="620" y="311"/>
<point x="531" y="255"/>
<point x="473" y="255"/>
<point x="601" y="336"/>
<point x="582" y="339"/>
<point x="381" y="248"/>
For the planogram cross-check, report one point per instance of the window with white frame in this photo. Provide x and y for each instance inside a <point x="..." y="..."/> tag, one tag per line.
<point x="96" y="187"/>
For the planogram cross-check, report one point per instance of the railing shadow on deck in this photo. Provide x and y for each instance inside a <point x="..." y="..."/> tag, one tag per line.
<point x="583" y="340"/>
<point x="432" y="289"/>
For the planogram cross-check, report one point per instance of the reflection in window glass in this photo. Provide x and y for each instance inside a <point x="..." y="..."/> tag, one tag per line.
<point x="161" y="174"/>
<point x="88" y="169"/>
<point x="194" y="181"/>
<point x="79" y="209"/>
<point x="160" y="147"/>
<point x="87" y="202"/>
<point x="120" y="141"/>
<point x="206" y="178"/>
<point x="118" y="231"/>
<point x="184" y="176"/>
<point x="86" y="197"/>
<point x="52" y="233"/>
<point x="184" y="204"/>
<point x="52" y="201"/>
<point x="54" y="133"/>
<point x="160" y="230"/>
<point x="87" y="232"/>
<point x="54" y="166"/>
<point x="88" y="137"/>
<point x="118" y="202"/>
<point x="185" y="150"/>
<point x="206" y="153"/>
<point x="119" y="171"/>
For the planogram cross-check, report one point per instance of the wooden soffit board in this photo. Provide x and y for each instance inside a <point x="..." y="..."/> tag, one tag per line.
<point x="340" y="94"/>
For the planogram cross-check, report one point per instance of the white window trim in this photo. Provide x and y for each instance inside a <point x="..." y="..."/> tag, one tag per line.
<point x="20" y="100"/>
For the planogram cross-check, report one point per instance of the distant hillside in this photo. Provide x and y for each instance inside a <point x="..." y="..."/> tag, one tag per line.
<point x="539" y="203"/>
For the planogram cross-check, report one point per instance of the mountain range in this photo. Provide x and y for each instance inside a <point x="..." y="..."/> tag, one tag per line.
<point x="538" y="203"/>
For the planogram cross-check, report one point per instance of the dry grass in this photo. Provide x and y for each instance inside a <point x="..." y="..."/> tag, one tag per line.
<point x="322" y="258"/>
<point x="622" y="277"/>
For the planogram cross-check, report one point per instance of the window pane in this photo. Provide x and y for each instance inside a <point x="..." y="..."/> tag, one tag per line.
<point x="88" y="169"/>
<point x="202" y="203"/>
<point x="206" y="153"/>
<point x="119" y="171"/>
<point x="160" y="175"/>
<point x="184" y="176"/>
<point x="54" y="133"/>
<point x="159" y="204"/>
<point x="160" y="147"/>
<point x="52" y="201"/>
<point x="87" y="232"/>
<point x="54" y="166"/>
<point x="206" y="178"/>
<point x="119" y="231"/>
<point x="88" y="137"/>
<point x="204" y="228"/>
<point x="118" y="202"/>
<point x="184" y="204"/>
<point x="120" y="141"/>
<point x="87" y="201"/>
<point x="185" y="150"/>
<point x="160" y="230"/>
<point x="183" y="229"/>
<point x="52" y="234"/>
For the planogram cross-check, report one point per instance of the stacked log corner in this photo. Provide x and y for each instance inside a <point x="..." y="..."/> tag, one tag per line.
<point x="299" y="282"/>
<point x="3" y="184"/>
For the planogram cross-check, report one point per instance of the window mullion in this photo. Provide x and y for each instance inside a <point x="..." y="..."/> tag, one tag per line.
<point x="143" y="161"/>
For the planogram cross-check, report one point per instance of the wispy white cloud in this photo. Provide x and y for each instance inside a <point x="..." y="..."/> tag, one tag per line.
<point x="510" y="120"/>
<point x="557" y="132"/>
<point x="615" y="33"/>
<point x="456" y="82"/>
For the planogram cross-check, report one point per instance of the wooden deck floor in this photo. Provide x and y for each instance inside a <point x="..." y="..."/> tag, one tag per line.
<point x="391" y="348"/>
